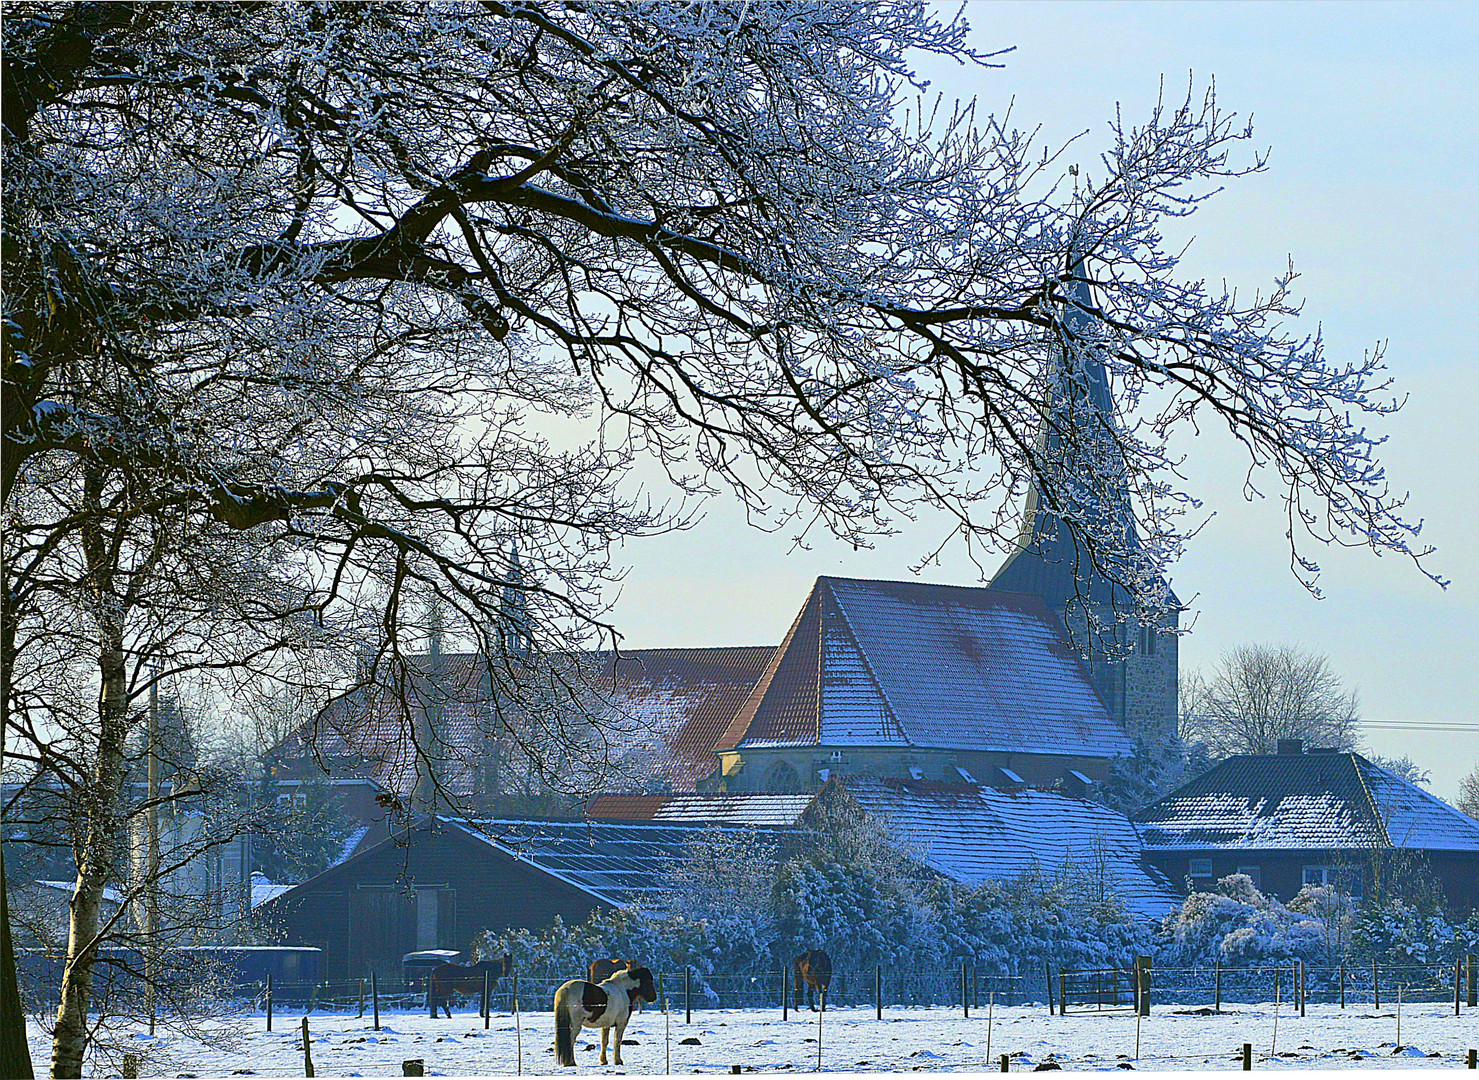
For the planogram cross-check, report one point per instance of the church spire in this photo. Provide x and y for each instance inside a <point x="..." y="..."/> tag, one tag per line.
<point x="515" y="628"/>
<point x="1077" y="446"/>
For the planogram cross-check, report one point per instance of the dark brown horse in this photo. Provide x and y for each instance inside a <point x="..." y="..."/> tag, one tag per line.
<point x="601" y="970"/>
<point x="448" y="979"/>
<point x="814" y="971"/>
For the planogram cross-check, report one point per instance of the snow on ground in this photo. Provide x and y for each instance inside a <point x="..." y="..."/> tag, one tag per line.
<point x="907" y="1039"/>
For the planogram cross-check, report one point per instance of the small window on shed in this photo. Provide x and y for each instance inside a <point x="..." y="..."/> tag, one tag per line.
<point x="1013" y="777"/>
<point x="1199" y="868"/>
<point x="1254" y="874"/>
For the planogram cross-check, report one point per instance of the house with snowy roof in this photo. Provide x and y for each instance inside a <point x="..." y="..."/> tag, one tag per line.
<point x="966" y="833"/>
<point x="1318" y="817"/>
<point x="922" y="682"/>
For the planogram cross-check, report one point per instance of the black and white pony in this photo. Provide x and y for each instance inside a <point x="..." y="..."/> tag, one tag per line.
<point x="606" y="1005"/>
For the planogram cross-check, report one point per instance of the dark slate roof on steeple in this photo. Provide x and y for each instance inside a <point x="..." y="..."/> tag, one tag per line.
<point x="1048" y="560"/>
<point x="879" y="663"/>
<point x="1304" y="801"/>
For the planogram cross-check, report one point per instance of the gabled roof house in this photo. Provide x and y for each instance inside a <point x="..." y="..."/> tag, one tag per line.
<point x="1296" y="817"/>
<point x="917" y="681"/>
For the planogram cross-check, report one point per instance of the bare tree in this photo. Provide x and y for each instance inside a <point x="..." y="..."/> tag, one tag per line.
<point x="1259" y="694"/>
<point x="398" y="289"/>
<point x="1468" y="793"/>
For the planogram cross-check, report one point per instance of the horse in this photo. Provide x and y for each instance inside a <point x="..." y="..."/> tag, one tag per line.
<point x="607" y="1005"/>
<point x="444" y="980"/>
<point x="601" y="970"/>
<point x="814" y="970"/>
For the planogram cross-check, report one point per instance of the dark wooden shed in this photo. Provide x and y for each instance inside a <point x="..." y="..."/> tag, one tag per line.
<point x="441" y="883"/>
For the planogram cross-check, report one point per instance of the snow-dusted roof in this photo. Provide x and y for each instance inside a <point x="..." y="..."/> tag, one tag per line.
<point x="1304" y="801"/>
<point x="618" y="863"/>
<point x="973" y="833"/>
<point x="871" y="663"/>
<point x="110" y="894"/>
<point x="670" y="706"/>
<point x="719" y="808"/>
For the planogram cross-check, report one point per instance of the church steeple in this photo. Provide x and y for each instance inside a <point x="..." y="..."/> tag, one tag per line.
<point x="515" y="629"/>
<point x="1133" y="665"/>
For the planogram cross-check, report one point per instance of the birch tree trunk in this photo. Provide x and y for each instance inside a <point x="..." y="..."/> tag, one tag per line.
<point x="96" y="846"/>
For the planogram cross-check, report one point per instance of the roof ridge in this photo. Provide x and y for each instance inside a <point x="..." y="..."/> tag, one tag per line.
<point x="893" y="713"/>
<point x="1370" y="798"/>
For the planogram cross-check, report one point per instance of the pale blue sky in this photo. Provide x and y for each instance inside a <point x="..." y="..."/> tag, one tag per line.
<point x="1372" y="114"/>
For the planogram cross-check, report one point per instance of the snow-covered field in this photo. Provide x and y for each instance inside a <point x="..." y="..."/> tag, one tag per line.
<point x="853" y="1040"/>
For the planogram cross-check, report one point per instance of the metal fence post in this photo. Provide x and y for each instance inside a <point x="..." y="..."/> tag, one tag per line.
<point x="1458" y="978"/>
<point x="1142" y="984"/>
<point x="687" y="998"/>
<point x="1217" y="990"/>
<point x="1304" y="986"/>
<point x="785" y="992"/>
<point x="965" y="992"/>
<point x="1375" y="987"/>
<point x="269" y="1001"/>
<point x="878" y="989"/>
<point x="1342" y="984"/>
<point x="487" y="989"/>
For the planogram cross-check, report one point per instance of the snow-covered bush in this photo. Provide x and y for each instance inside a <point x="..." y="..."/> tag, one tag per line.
<point x="731" y="909"/>
<point x="1400" y="934"/>
<point x="1238" y="925"/>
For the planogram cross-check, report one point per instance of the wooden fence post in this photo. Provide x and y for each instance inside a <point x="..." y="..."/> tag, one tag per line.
<point x="667" y="1024"/>
<point x="1142" y="983"/>
<point x="1047" y="970"/>
<point x="1218" y="986"/>
<point x="1458" y="978"/>
<point x="1005" y="1061"/>
<point x="965" y="992"/>
<point x="307" y="1054"/>
<point x="878" y="989"/>
<point x="375" y="996"/>
<point x="269" y="1001"/>
<point x="1304" y="986"/>
<point x="1342" y="984"/>
<point x="687" y="997"/>
<point x="1247" y="1057"/>
<point x="1062" y="993"/>
<point x="1375" y="987"/>
<point x="785" y="992"/>
<point x="361" y="998"/>
<point x="1472" y="963"/>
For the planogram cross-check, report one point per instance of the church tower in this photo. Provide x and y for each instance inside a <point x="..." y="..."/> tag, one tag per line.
<point x="1133" y="665"/>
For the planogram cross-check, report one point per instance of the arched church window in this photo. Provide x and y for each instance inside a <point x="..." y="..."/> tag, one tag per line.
<point x="782" y="778"/>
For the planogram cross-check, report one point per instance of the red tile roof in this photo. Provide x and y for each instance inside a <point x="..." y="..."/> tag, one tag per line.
<point x="871" y="663"/>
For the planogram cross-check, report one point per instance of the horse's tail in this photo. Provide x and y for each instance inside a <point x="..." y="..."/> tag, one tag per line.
<point x="564" y="1030"/>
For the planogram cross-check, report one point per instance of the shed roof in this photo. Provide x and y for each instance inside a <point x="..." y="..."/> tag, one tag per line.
<point x="974" y="833"/>
<point x="871" y="663"/>
<point x="1304" y="801"/>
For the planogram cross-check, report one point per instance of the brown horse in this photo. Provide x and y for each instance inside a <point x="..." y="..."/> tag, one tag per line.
<point x="814" y="971"/>
<point x="445" y="980"/>
<point x="601" y="970"/>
